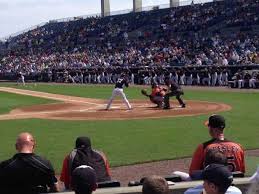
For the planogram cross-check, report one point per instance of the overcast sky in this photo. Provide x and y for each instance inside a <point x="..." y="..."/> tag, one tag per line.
<point x="18" y="15"/>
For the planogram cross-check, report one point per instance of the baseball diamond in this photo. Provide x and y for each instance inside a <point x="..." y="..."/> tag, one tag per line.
<point x="76" y="108"/>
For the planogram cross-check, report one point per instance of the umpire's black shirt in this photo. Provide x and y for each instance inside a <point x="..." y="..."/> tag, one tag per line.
<point x="24" y="173"/>
<point x="175" y="87"/>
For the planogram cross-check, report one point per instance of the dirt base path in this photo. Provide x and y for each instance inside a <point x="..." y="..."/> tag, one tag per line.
<point x="77" y="108"/>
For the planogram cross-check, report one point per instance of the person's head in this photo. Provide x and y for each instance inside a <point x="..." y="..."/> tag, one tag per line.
<point x="83" y="142"/>
<point x="155" y="185"/>
<point x="84" y="180"/>
<point x="168" y="81"/>
<point x="25" y="143"/>
<point x="215" y="156"/>
<point x="217" y="178"/>
<point x="154" y="85"/>
<point x="211" y="157"/>
<point x="216" y="125"/>
<point x="122" y="75"/>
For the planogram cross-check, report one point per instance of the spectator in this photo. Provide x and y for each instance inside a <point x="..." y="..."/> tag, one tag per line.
<point x="217" y="179"/>
<point x="26" y="172"/>
<point x="155" y="185"/>
<point x="233" y="151"/>
<point x="84" y="180"/>
<point x="212" y="157"/>
<point x="254" y="187"/>
<point x="83" y="154"/>
<point x="66" y="45"/>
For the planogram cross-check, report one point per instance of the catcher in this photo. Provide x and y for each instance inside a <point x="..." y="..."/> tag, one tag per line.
<point x="156" y="96"/>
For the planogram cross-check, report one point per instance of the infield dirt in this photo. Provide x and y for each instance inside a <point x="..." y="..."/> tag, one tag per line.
<point x="77" y="108"/>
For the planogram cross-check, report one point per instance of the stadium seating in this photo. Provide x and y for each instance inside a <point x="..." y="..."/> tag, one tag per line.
<point x="222" y="33"/>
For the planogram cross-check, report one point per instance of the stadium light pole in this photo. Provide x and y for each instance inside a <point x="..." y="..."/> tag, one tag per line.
<point x="174" y="3"/>
<point x="105" y="7"/>
<point x="137" y="5"/>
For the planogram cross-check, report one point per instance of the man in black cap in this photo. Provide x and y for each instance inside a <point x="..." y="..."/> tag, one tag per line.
<point x="83" y="154"/>
<point x="217" y="179"/>
<point x="84" y="180"/>
<point x="233" y="151"/>
<point x="214" y="158"/>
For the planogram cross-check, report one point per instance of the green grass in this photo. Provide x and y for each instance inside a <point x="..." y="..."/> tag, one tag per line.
<point x="11" y="101"/>
<point x="135" y="141"/>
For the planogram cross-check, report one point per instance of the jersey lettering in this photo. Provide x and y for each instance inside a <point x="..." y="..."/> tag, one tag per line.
<point x="120" y="80"/>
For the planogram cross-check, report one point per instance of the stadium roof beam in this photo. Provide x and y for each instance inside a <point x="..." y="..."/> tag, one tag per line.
<point x="174" y="3"/>
<point x="105" y="4"/>
<point x="137" y="5"/>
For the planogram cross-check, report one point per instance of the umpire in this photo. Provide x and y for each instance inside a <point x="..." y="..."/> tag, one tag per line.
<point x="173" y="90"/>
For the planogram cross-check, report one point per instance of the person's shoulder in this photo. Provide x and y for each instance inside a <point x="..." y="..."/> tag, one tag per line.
<point x="206" y="143"/>
<point x="41" y="160"/>
<point x="233" y="190"/>
<point x="5" y="163"/>
<point x="98" y="152"/>
<point x="234" y="144"/>
<point x="194" y="190"/>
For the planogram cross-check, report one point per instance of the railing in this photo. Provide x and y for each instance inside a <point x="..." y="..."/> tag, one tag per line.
<point x="147" y="8"/>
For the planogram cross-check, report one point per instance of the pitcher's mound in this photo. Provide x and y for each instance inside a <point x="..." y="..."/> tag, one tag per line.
<point x="95" y="110"/>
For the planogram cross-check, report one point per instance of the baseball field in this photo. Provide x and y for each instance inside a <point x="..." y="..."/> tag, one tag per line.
<point x="57" y="114"/>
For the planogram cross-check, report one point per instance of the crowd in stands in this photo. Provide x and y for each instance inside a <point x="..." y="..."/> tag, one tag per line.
<point x="84" y="169"/>
<point x="221" y="34"/>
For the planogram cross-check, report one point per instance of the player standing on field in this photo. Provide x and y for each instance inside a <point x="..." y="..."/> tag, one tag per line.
<point x="173" y="90"/>
<point x="118" y="91"/>
<point x="21" y="78"/>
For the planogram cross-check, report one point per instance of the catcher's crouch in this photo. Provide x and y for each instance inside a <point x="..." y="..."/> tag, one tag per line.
<point x="156" y="96"/>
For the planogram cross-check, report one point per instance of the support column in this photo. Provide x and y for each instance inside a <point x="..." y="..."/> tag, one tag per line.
<point x="137" y="5"/>
<point x="174" y="3"/>
<point x="105" y="7"/>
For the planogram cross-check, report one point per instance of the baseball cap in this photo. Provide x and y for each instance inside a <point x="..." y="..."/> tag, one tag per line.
<point x="83" y="142"/>
<point x="218" y="174"/>
<point x="216" y="121"/>
<point x="84" y="179"/>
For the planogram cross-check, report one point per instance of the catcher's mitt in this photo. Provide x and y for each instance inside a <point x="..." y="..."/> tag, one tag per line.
<point x="144" y="92"/>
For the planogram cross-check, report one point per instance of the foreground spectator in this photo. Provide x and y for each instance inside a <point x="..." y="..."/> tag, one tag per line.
<point x="83" y="154"/>
<point x="233" y="151"/>
<point x="217" y="179"/>
<point x="254" y="179"/>
<point x="212" y="157"/>
<point x="84" y="180"/>
<point x="26" y="172"/>
<point x="155" y="185"/>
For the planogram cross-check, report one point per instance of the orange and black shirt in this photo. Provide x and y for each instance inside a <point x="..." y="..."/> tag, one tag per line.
<point x="157" y="91"/>
<point x="233" y="151"/>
